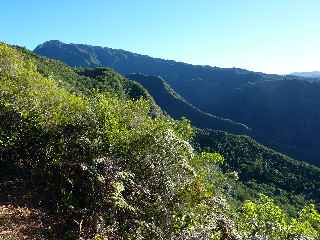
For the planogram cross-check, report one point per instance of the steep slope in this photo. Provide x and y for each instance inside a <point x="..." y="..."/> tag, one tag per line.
<point x="260" y="169"/>
<point x="200" y="85"/>
<point x="242" y="154"/>
<point x="284" y="114"/>
<point x="177" y="107"/>
<point x="107" y="169"/>
<point x="179" y="75"/>
<point x="85" y="80"/>
<point x="99" y="160"/>
<point x="223" y="92"/>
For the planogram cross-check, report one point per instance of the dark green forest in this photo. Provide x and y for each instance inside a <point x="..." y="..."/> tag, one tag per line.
<point x="261" y="169"/>
<point x="282" y="112"/>
<point x="177" y="107"/>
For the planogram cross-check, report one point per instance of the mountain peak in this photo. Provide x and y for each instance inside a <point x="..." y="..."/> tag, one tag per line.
<point x="50" y="43"/>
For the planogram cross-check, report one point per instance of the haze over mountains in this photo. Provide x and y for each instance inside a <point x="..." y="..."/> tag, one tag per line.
<point x="281" y="111"/>
<point x="313" y="74"/>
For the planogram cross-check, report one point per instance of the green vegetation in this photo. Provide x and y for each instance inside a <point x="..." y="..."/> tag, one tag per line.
<point x="112" y="170"/>
<point x="105" y="79"/>
<point x="263" y="170"/>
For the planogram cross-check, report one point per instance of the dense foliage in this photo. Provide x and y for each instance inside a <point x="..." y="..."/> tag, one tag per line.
<point x="263" y="170"/>
<point x="282" y="111"/>
<point x="114" y="171"/>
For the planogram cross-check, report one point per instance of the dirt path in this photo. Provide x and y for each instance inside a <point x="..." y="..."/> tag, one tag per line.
<point x="20" y="215"/>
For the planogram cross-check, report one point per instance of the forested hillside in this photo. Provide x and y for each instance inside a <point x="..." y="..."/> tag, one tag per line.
<point x="261" y="169"/>
<point x="98" y="164"/>
<point x="283" y="114"/>
<point x="177" y="107"/>
<point x="282" y="111"/>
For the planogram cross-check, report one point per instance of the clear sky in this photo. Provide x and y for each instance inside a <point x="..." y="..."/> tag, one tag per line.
<point x="273" y="36"/>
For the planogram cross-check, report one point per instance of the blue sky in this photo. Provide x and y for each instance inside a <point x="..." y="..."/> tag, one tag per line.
<point x="273" y="36"/>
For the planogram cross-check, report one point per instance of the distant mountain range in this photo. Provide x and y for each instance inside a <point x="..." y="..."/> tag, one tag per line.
<point x="282" y="111"/>
<point x="314" y="74"/>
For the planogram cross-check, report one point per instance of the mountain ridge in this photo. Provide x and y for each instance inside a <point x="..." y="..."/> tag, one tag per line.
<point x="58" y="42"/>
<point x="177" y="107"/>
